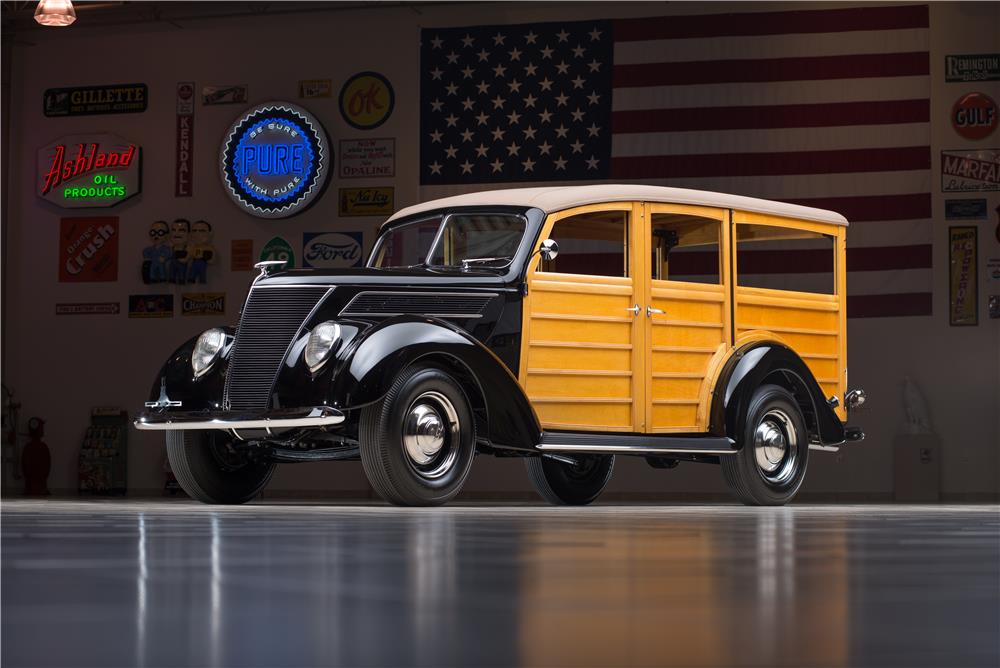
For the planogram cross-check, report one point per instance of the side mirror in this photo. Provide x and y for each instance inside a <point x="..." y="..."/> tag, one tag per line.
<point x="549" y="249"/>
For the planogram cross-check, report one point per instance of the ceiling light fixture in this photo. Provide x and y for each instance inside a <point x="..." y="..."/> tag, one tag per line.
<point x="55" y="12"/>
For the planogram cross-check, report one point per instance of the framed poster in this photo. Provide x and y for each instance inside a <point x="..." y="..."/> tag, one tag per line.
<point x="963" y="283"/>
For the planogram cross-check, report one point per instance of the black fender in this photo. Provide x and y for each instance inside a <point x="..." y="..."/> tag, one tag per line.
<point x="372" y="362"/>
<point x="760" y="362"/>
<point x="177" y="378"/>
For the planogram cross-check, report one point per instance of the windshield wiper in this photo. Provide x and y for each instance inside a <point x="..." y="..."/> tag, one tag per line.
<point x="483" y="260"/>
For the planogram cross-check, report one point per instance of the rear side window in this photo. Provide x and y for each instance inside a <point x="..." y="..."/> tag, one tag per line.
<point x="594" y="243"/>
<point x="781" y="258"/>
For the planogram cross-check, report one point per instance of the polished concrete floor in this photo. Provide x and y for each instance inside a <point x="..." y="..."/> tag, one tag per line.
<point x="126" y="583"/>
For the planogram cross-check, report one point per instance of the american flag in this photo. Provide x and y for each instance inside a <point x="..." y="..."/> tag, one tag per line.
<point x="822" y="107"/>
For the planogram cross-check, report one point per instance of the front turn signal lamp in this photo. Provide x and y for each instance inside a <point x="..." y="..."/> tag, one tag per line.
<point x="322" y="342"/>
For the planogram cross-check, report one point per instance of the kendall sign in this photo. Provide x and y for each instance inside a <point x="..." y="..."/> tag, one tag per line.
<point x="89" y="171"/>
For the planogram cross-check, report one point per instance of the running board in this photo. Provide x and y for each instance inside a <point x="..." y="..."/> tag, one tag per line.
<point x="638" y="444"/>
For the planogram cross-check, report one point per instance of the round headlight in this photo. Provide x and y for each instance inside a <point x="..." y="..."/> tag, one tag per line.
<point x="322" y="341"/>
<point x="207" y="350"/>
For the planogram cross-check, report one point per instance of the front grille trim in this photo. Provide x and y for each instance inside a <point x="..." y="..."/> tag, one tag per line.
<point x="271" y="322"/>
<point x="455" y="305"/>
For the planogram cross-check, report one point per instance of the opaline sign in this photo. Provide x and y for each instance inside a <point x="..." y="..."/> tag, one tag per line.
<point x="89" y="171"/>
<point x="274" y="160"/>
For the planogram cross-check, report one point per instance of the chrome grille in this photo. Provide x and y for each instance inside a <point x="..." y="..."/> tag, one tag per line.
<point x="272" y="317"/>
<point x="441" y="304"/>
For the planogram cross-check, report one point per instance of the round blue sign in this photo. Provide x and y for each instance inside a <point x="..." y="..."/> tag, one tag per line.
<point x="275" y="160"/>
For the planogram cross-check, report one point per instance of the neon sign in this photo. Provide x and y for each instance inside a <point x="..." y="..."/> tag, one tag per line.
<point x="275" y="160"/>
<point x="89" y="171"/>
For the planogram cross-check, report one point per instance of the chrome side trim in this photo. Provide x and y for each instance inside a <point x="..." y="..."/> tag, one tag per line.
<point x="562" y="447"/>
<point x="824" y="448"/>
<point x="347" y="309"/>
<point x="319" y="416"/>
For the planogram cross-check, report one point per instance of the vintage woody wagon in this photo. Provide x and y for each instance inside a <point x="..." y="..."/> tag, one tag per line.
<point x="564" y="325"/>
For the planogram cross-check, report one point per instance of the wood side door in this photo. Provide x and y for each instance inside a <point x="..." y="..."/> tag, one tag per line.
<point x="688" y="324"/>
<point x="582" y="352"/>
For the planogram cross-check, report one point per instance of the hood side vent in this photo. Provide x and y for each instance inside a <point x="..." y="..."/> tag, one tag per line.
<point x="435" y="304"/>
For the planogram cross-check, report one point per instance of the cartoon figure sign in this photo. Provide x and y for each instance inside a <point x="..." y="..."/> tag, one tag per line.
<point x="200" y="250"/>
<point x="367" y="100"/>
<point x="156" y="256"/>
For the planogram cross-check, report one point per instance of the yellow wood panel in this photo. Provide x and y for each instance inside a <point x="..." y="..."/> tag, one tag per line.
<point x="678" y="361"/>
<point x="580" y="344"/>
<point x="664" y="334"/>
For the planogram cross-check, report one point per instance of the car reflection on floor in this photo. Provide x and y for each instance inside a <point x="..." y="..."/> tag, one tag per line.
<point x="284" y="584"/>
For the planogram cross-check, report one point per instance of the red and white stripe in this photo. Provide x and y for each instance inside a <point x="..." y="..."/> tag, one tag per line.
<point x="824" y="107"/>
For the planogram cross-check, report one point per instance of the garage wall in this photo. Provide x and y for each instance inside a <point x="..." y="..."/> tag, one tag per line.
<point x="59" y="367"/>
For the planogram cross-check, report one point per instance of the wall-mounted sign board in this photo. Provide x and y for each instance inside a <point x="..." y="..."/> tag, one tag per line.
<point x="275" y="160"/>
<point x="89" y="171"/>
<point x="90" y="100"/>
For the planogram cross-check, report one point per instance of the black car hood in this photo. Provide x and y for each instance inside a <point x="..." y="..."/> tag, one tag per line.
<point x="424" y="277"/>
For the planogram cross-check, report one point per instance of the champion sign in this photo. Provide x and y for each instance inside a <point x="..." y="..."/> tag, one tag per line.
<point x="332" y="250"/>
<point x="275" y="160"/>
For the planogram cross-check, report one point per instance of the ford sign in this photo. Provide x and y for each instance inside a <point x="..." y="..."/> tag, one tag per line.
<point x="332" y="250"/>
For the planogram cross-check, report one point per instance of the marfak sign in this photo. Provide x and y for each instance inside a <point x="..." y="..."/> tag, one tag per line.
<point x="89" y="171"/>
<point x="275" y="160"/>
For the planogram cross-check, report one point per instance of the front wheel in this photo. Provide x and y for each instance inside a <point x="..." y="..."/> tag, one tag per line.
<point x="567" y="484"/>
<point x="770" y="465"/>
<point x="417" y="444"/>
<point x="210" y="470"/>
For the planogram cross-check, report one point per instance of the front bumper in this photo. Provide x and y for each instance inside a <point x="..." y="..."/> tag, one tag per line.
<point x="316" y="416"/>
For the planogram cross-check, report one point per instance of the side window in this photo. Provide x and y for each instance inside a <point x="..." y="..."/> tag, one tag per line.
<point x="782" y="258"/>
<point x="593" y="243"/>
<point x="686" y="248"/>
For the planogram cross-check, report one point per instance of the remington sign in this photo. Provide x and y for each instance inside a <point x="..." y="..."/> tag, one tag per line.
<point x="90" y="100"/>
<point x="89" y="171"/>
<point x="972" y="67"/>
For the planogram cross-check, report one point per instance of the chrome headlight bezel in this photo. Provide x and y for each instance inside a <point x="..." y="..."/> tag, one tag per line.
<point x="207" y="350"/>
<point x="323" y="340"/>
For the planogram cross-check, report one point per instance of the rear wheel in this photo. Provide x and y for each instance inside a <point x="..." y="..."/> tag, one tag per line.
<point x="771" y="463"/>
<point x="567" y="484"/>
<point x="210" y="470"/>
<point x="417" y="444"/>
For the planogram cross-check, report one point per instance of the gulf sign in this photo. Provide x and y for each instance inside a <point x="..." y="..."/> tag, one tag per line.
<point x="275" y="160"/>
<point x="974" y="116"/>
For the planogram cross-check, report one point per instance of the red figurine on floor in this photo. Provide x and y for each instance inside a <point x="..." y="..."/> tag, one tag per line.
<point x="36" y="461"/>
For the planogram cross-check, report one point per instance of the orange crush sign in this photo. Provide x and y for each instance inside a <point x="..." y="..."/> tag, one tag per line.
<point x="366" y="100"/>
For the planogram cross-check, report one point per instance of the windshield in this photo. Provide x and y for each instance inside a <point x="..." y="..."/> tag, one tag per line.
<point x="465" y="240"/>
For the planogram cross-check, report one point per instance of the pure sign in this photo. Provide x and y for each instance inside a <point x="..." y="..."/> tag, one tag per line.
<point x="89" y="171"/>
<point x="275" y="160"/>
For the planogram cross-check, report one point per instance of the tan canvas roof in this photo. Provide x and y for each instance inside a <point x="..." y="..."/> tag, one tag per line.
<point x="557" y="198"/>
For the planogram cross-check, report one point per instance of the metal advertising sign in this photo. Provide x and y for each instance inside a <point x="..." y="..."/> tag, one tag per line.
<point x="367" y="158"/>
<point x="88" y="250"/>
<point x="974" y="116"/>
<point x="367" y="100"/>
<point x="224" y="94"/>
<point x="970" y="170"/>
<point x="241" y="255"/>
<point x="972" y="67"/>
<point x="89" y="171"/>
<point x="965" y="209"/>
<point x="332" y="250"/>
<point x="275" y="160"/>
<point x="90" y="100"/>
<point x="963" y="274"/>
<point x="203" y="303"/>
<point x="278" y="249"/>
<point x="309" y="88"/>
<point x="185" y="139"/>
<point x="89" y="308"/>
<point x="150" y="306"/>
<point x="366" y="201"/>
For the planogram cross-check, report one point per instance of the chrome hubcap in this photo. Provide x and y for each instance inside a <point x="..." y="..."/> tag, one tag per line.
<point x="431" y="434"/>
<point x="776" y="446"/>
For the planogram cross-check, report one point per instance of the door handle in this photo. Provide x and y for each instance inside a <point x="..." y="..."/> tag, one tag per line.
<point x="634" y="310"/>
<point x="650" y="311"/>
